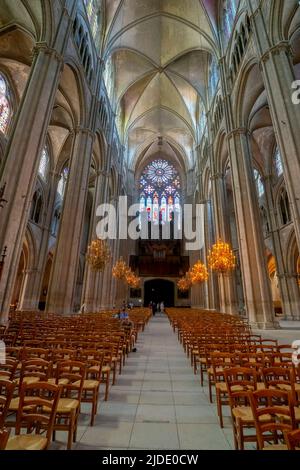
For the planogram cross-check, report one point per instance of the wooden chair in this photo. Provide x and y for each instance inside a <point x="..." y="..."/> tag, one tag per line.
<point x="34" y="370"/>
<point x="107" y="366"/>
<point x="4" y="435"/>
<point x="280" y="378"/>
<point x="93" y="360"/>
<point x="35" y="353"/>
<point x="292" y="439"/>
<point x="219" y="362"/>
<point x="68" y="409"/>
<point x="6" y="393"/>
<point x="8" y="370"/>
<point x="240" y="381"/>
<point x="273" y="413"/>
<point x="36" y="414"/>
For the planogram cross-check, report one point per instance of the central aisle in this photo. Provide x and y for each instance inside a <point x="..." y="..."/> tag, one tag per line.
<point x="157" y="402"/>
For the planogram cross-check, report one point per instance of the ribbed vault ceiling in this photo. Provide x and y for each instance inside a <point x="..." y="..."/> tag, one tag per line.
<point x="161" y="51"/>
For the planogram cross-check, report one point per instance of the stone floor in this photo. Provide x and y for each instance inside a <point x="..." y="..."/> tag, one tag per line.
<point x="157" y="402"/>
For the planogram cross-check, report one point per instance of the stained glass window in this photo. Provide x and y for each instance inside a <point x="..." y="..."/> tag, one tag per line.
<point x="259" y="183"/>
<point x="93" y="12"/>
<point x="213" y="77"/>
<point x="278" y="163"/>
<point x="229" y="12"/>
<point x="63" y="182"/>
<point x="284" y="206"/>
<point x="160" y="190"/>
<point x="44" y="164"/>
<point x="5" y="108"/>
<point x="202" y="124"/>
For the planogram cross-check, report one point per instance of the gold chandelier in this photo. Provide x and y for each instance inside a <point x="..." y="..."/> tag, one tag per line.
<point x="198" y="273"/>
<point x="221" y="258"/>
<point x="120" y="270"/>
<point x="133" y="280"/>
<point x="185" y="283"/>
<point x="98" y="254"/>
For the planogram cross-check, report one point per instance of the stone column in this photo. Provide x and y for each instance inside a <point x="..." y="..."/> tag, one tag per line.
<point x="258" y="297"/>
<point x="65" y="264"/>
<point x="93" y="279"/>
<point x="34" y="278"/>
<point x="290" y="304"/>
<point x="212" y="293"/>
<point x="278" y="75"/>
<point x="22" y="157"/>
<point x="228" y="297"/>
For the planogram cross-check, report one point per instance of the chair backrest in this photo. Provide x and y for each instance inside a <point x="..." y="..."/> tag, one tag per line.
<point x="4" y="435"/>
<point x="39" y="368"/>
<point x="240" y="380"/>
<point x="6" y="393"/>
<point x="273" y="413"/>
<point x="292" y="439"/>
<point x="74" y="373"/>
<point x="280" y="378"/>
<point x="63" y="354"/>
<point x="37" y="408"/>
<point x="35" y="353"/>
<point x="8" y="369"/>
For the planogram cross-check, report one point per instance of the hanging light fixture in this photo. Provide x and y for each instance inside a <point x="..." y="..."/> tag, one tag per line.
<point x="198" y="273"/>
<point x="132" y="280"/>
<point x="98" y="254"/>
<point x="221" y="258"/>
<point x="185" y="283"/>
<point x="120" y="270"/>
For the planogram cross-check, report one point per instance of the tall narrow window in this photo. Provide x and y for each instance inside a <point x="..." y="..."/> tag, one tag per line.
<point x="284" y="207"/>
<point x="36" y="207"/>
<point x="202" y="124"/>
<point x="259" y="183"/>
<point x="228" y="16"/>
<point x="44" y="165"/>
<point x="213" y="77"/>
<point x="61" y="187"/>
<point x="93" y="9"/>
<point x="278" y="166"/>
<point x="265" y="221"/>
<point x="5" y="107"/>
<point x="55" y="221"/>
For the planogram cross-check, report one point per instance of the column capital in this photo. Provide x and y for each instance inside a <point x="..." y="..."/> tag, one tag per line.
<point x="267" y="177"/>
<point x="83" y="130"/>
<point x="238" y="131"/>
<point x="217" y="176"/>
<point x="276" y="49"/>
<point x="102" y="173"/>
<point x="54" y="174"/>
<point x="288" y="275"/>
<point x="43" y="47"/>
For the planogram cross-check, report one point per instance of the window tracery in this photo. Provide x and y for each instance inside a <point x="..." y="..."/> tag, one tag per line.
<point x="160" y="189"/>
<point x="5" y="106"/>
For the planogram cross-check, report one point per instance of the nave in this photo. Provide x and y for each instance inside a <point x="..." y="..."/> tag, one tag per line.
<point x="153" y="384"/>
<point x="158" y="403"/>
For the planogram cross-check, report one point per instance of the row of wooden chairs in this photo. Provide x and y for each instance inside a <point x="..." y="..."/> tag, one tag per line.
<point x="69" y="362"/>
<point x="250" y="374"/>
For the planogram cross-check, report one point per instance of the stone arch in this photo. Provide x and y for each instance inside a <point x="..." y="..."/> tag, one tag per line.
<point x="249" y="88"/>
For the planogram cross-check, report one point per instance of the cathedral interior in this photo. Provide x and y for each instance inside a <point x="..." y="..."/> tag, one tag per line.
<point x="168" y="105"/>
